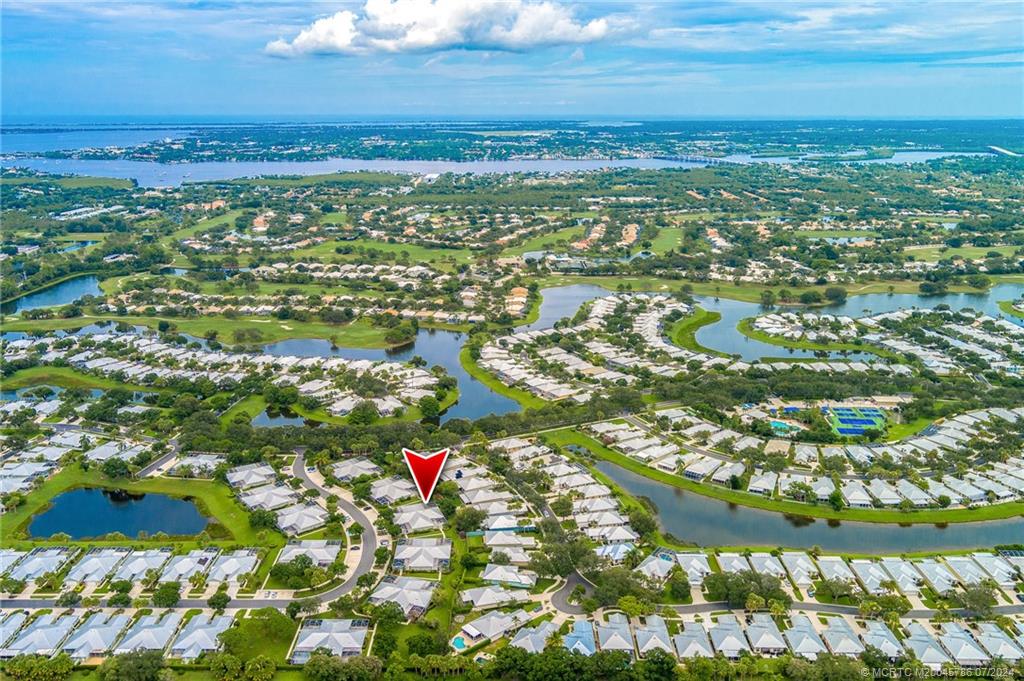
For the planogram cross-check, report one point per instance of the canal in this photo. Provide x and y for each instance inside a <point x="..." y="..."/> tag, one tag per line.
<point x="704" y="521"/>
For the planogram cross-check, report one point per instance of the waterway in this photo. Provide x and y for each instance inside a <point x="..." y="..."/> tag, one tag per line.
<point x="725" y="337"/>
<point x="702" y="520"/>
<point x="153" y="174"/>
<point x="88" y="512"/>
<point x="437" y="347"/>
<point x="63" y="293"/>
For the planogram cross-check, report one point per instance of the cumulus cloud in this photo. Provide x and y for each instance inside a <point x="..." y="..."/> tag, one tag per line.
<point x="396" y="26"/>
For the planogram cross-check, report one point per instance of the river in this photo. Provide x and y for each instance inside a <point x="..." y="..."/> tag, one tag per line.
<point x="710" y="522"/>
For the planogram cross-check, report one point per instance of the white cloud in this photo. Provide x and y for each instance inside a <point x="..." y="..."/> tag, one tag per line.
<point x="395" y="26"/>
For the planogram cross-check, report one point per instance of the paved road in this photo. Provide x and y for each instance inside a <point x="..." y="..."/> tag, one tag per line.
<point x="368" y="540"/>
<point x="560" y="599"/>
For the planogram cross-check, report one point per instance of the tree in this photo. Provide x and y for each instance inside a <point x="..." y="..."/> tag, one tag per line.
<point x="977" y="599"/>
<point x="219" y="600"/>
<point x="754" y="602"/>
<point x="142" y="665"/>
<point x="388" y="615"/>
<point x="116" y="468"/>
<point x="679" y="585"/>
<point x="425" y="644"/>
<point x="259" y="668"/>
<point x="469" y="518"/>
<point x="167" y="595"/>
<point x="562" y="506"/>
<point x="634" y="607"/>
<point x="430" y="408"/>
<point x="836" y="294"/>
<point x="225" y="667"/>
<point x="39" y="668"/>
<point x="642" y="522"/>
<point x="261" y="519"/>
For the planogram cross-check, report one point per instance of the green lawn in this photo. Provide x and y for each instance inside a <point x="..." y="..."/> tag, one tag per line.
<point x="546" y="242"/>
<point x="357" y="334"/>
<point x="440" y="258"/>
<point x="251" y="405"/>
<point x="684" y="332"/>
<point x="994" y="512"/>
<point x="201" y="226"/>
<point x="65" y="377"/>
<point x="214" y="499"/>
<point x="668" y="238"/>
<point x="935" y="253"/>
<point x="1007" y="307"/>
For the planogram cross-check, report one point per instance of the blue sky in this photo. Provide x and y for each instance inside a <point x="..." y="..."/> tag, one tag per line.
<point x="514" y="58"/>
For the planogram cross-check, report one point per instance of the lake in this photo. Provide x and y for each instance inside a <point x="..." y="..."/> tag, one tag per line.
<point x="29" y="140"/>
<point x="725" y="337"/>
<point x="702" y="520"/>
<point x="436" y="346"/>
<point x="88" y="512"/>
<point x="63" y="293"/>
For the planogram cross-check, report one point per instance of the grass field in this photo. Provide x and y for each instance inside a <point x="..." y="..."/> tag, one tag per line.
<point x="201" y="226"/>
<point x="357" y="334"/>
<point x="213" y="498"/>
<point x="546" y="241"/>
<point x="994" y="512"/>
<point x="64" y="377"/>
<point x="1007" y="307"/>
<point x="684" y="332"/>
<point x="935" y="253"/>
<point x="439" y="257"/>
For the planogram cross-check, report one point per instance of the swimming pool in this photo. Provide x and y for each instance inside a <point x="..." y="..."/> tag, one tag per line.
<point x="459" y="643"/>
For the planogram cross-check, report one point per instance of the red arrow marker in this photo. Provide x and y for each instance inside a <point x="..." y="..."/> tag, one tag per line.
<point x="425" y="469"/>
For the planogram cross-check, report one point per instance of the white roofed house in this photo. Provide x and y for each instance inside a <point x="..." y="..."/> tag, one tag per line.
<point x="233" y="566"/>
<point x="251" y="475"/>
<point x="96" y="565"/>
<point x="10" y="624"/>
<point x="321" y="552"/>
<point x="615" y="634"/>
<point x="42" y="636"/>
<point x="491" y="596"/>
<point x="423" y="554"/>
<point x="200" y="635"/>
<point x="390" y="490"/>
<point x="510" y="575"/>
<point x="350" y="469"/>
<point x="150" y="632"/>
<point x="803" y="638"/>
<point x="767" y="564"/>
<point x="138" y="563"/>
<point x="834" y="567"/>
<point x="494" y="624"/>
<point x="908" y="579"/>
<point x="998" y="643"/>
<point x="937" y="575"/>
<point x="269" y="497"/>
<point x="967" y="571"/>
<point x="733" y="562"/>
<point x="344" y="638"/>
<point x="301" y="518"/>
<point x="923" y="646"/>
<point x="764" y="635"/>
<point x="841" y="639"/>
<point x="871" y="575"/>
<point x="95" y="636"/>
<point x="40" y="561"/>
<point x="653" y="635"/>
<point x="182" y="568"/>
<point x="418" y="517"/>
<point x="657" y="566"/>
<point x="695" y="565"/>
<point x="727" y="637"/>
<point x="410" y="593"/>
<point x="996" y="567"/>
<point x="800" y="567"/>
<point x="692" y="641"/>
<point x="880" y="636"/>
<point x="961" y="645"/>
<point x="534" y="639"/>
